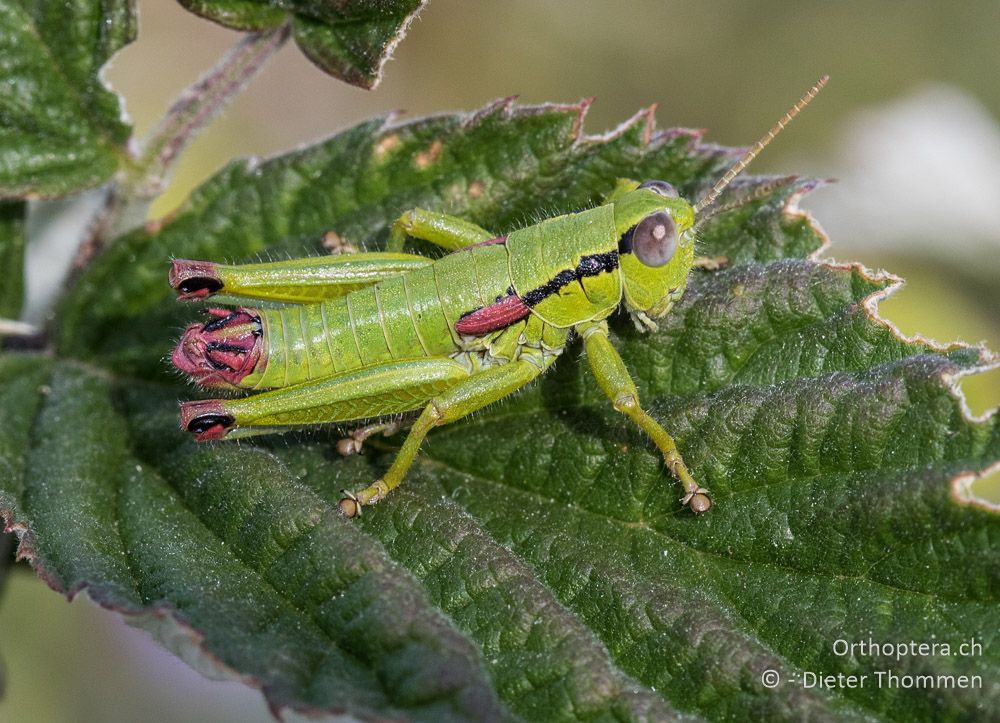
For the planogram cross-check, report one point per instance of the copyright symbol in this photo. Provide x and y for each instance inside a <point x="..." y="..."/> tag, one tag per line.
<point x="770" y="678"/>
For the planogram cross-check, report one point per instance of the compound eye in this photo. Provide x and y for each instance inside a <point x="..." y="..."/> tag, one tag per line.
<point x="661" y="187"/>
<point x="655" y="239"/>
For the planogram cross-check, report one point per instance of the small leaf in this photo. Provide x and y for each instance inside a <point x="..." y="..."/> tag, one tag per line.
<point x="348" y="39"/>
<point x="62" y="128"/>
<point x="536" y="563"/>
<point x="11" y="258"/>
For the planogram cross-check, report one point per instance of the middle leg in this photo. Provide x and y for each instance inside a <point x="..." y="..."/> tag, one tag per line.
<point x="449" y="232"/>
<point x="355" y="439"/>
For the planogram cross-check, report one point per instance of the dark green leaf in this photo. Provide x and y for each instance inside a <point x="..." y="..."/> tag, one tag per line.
<point x="349" y="39"/>
<point x="11" y="258"/>
<point x="537" y="562"/>
<point x="61" y="127"/>
<point x="258" y="570"/>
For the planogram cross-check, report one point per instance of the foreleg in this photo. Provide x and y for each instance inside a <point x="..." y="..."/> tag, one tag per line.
<point x="614" y="379"/>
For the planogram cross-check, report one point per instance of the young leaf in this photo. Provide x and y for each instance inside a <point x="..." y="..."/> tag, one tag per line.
<point x="350" y="40"/>
<point x="536" y="563"/>
<point x="62" y="128"/>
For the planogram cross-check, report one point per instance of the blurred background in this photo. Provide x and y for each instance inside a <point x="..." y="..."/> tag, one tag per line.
<point x="908" y="125"/>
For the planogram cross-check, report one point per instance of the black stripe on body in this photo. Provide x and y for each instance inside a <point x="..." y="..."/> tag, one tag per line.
<point x="592" y="265"/>
<point x="625" y="242"/>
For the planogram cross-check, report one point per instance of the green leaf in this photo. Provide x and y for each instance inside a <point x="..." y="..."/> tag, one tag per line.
<point x="62" y="129"/>
<point x="349" y="39"/>
<point x="536" y="563"/>
<point x="11" y="258"/>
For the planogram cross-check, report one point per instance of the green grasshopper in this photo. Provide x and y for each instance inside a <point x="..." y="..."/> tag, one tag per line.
<point x="361" y="336"/>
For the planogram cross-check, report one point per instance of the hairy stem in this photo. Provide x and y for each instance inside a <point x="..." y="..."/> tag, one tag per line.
<point x="144" y="178"/>
<point x="199" y="104"/>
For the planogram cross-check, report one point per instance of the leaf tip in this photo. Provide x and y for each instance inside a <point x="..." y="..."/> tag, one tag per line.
<point x="503" y="107"/>
<point x="581" y="113"/>
<point x="372" y="80"/>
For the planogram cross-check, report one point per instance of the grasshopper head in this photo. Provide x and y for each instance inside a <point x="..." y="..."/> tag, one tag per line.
<point x="656" y="247"/>
<point x="655" y="228"/>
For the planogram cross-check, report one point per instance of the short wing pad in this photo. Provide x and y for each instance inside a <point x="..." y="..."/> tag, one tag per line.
<point x="493" y="317"/>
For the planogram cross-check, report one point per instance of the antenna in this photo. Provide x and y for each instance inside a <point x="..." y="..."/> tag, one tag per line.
<point x="757" y="147"/>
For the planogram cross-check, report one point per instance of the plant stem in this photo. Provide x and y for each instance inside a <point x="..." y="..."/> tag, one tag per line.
<point x="199" y="104"/>
<point x="146" y="174"/>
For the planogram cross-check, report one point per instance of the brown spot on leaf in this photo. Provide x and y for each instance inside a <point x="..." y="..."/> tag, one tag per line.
<point x="426" y="158"/>
<point x="476" y="189"/>
<point x="386" y="145"/>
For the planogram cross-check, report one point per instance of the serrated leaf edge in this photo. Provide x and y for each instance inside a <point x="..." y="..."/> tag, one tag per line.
<point x="125" y="152"/>
<point x="960" y="486"/>
<point x="393" y="120"/>
<point x="207" y="662"/>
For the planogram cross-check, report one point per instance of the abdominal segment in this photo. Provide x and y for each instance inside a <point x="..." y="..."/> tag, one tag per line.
<point x="429" y="312"/>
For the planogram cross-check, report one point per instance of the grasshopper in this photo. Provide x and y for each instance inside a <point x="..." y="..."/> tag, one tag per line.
<point x="362" y="336"/>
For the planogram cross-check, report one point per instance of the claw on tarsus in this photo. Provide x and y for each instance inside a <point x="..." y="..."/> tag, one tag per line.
<point x="350" y="505"/>
<point x="698" y="501"/>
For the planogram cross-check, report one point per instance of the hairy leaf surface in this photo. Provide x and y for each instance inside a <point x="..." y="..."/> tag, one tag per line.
<point x="536" y="564"/>
<point x="61" y="128"/>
